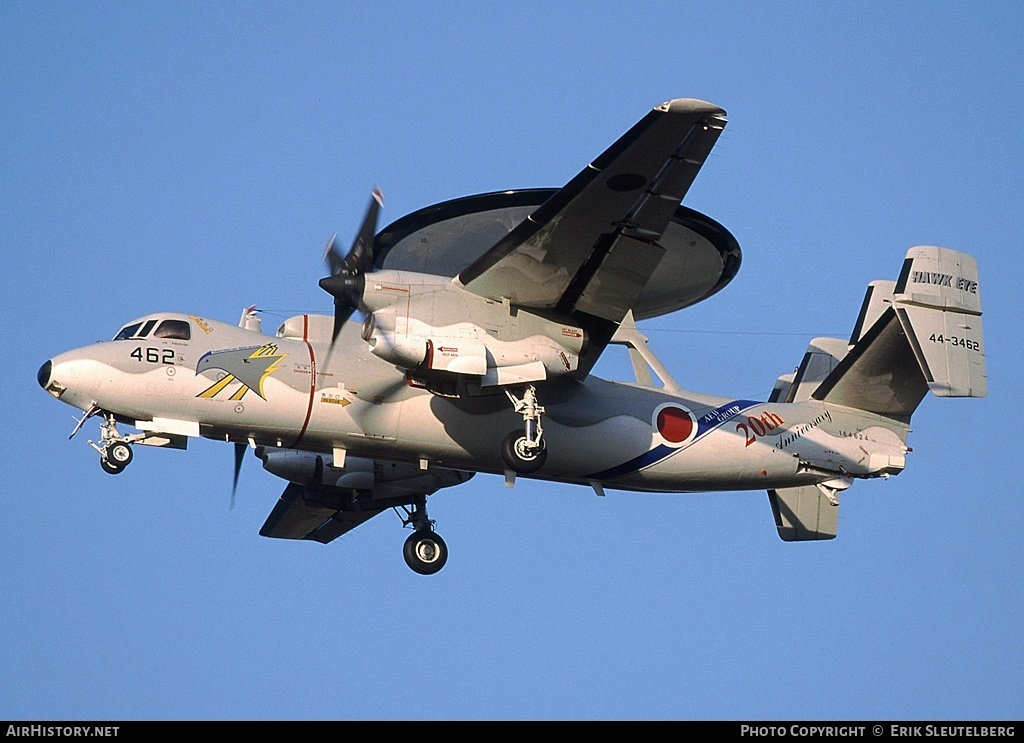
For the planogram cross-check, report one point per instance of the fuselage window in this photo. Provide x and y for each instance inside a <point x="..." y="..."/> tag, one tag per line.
<point x="146" y="328"/>
<point x="128" y="331"/>
<point x="174" y="329"/>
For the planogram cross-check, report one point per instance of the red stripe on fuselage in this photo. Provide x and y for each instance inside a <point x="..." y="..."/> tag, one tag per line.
<point x="312" y="380"/>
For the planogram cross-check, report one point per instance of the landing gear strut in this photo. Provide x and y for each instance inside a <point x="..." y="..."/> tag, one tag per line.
<point x="425" y="552"/>
<point x="525" y="451"/>
<point x="115" y="450"/>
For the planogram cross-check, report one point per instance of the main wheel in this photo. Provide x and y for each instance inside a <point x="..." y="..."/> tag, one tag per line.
<point x="425" y="552"/>
<point x="119" y="455"/>
<point x="110" y="468"/>
<point x="521" y="458"/>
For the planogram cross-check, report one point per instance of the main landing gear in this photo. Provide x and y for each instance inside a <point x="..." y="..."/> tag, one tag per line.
<point x="115" y="450"/>
<point x="425" y="552"/>
<point x="525" y="451"/>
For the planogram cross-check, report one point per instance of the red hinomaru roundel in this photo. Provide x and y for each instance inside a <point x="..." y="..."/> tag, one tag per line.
<point x="674" y="424"/>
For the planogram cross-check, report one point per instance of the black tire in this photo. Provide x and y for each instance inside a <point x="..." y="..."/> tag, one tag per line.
<point x="425" y="552"/>
<point x="119" y="455"/>
<point x="110" y="468"/>
<point x="517" y="456"/>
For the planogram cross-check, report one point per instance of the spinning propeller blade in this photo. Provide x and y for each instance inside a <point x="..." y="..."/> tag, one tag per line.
<point x="347" y="279"/>
<point x="239" y="455"/>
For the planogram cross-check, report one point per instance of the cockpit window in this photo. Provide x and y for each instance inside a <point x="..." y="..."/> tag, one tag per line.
<point x="128" y="331"/>
<point x="175" y="329"/>
<point x="172" y="329"/>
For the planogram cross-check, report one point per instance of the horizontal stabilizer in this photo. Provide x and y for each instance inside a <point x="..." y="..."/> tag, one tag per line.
<point x="879" y="375"/>
<point x="803" y="514"/>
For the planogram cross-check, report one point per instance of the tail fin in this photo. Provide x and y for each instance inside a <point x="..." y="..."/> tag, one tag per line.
<point x="822" y="356"/>
<point x="924" y="333"/>
<point x="939" y="307"/>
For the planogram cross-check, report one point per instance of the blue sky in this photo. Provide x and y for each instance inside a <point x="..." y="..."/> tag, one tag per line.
<point x="196" y="157"/>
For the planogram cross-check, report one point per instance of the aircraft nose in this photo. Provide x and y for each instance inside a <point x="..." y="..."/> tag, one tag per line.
<point x="44" y="374"/>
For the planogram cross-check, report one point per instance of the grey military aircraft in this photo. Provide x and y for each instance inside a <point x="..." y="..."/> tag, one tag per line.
<point x="483" y="319"/>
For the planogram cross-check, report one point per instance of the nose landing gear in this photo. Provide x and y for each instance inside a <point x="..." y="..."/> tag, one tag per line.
<point x="117" y="457"/>
<point x="115" y="449"/>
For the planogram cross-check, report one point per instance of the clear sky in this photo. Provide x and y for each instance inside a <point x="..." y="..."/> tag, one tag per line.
<point x="196" y="157"/>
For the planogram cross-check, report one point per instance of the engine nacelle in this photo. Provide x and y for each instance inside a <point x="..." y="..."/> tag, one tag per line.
<point x="401" y="350"/>
<point x="495" y="361"/>
<point x="429" y="324"/>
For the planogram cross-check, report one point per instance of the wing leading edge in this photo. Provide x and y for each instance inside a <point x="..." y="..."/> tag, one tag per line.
<point x="593" y="245"/>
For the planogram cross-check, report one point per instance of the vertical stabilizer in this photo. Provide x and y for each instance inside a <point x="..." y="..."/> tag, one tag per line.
<point x="877" y="300"/>
<point x="938" y="303"/>
<point x="822" y="356"/>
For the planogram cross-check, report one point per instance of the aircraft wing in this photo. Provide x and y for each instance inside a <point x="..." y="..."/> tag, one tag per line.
<point x="300" y="514"/>
<point x="592" y="246"/>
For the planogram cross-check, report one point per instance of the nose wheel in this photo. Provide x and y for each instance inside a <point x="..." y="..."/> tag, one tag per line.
<point x="115" y="450"/>
<point x="118" y="455"/>
<point x="525" y="451"/>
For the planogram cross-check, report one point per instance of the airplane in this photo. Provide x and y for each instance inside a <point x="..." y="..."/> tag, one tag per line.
<point x="483" y="318"/>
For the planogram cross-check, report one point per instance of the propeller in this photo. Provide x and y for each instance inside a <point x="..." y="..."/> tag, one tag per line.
<point x="347" y="280"/>
<point x="240" y="448"/>
<point x="345" y="284"/>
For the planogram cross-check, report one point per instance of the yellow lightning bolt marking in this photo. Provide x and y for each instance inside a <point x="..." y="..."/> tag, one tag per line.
<point x="269" y="350"/>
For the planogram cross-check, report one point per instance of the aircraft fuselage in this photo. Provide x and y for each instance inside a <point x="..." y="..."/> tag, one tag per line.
<point x="228" y="383"/>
